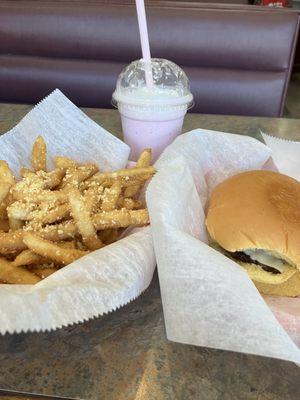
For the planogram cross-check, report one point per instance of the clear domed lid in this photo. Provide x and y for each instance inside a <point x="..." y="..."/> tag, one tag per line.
<point x="168" y="84"/>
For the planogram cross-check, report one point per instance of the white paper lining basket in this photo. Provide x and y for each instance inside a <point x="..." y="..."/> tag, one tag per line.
<point x="101" y="281"/>
<point x="208" y="300"/>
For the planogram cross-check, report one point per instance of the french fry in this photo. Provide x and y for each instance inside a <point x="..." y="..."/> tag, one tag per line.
<point x="39" y="155"/>
<point x="4" y="190"/>
<point x="42" y="272"/>
<point x="92" y="197"/>
<point x="7" y="180"/>
<point x="80" y="245"/>
<point x="6" y="176"/>
<point x="130" y="204"/>
<point x="51" y="179"/>
<point x="120" y="219"/>
<point x="111" y="196"/>
<point x="105" y="234"/>
<point x="83" y="221"/>
<point x="26" y="172"/>
<point x="39" y="196"/>
<point x="11" y="241"/>
<point x="64" y="162"/>
<point x="9" y="273"/>
<point x="28" y="257"/>
<point x="111" y="236"/>
<point x="50" y="215"/>
<point x="70" y="244"/>
<point x="108" y="183"/>
<point x="27" y="188"/>
<point x="4" y="226"/>
<point x="143" y="161"/>
<point x="127" y="177"/>
<point x="33" y="185"/>
<point x="3" y="210"/>
<point x="63" y="231"/>
<point x="20" y="210"/>
<point x="50" y="250"/>
<point x="48" y="196"/>
<point x="15" y="224"/>
<point x="4" y="205"/>
<point x="78" y="174"/>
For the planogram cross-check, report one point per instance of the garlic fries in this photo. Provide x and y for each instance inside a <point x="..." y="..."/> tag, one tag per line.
<point x="49" y="219"/>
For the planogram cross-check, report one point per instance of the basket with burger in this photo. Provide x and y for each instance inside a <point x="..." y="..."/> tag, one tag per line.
<point x="226" y="232"/>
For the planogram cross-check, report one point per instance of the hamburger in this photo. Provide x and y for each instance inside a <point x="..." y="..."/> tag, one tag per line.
<point x="254" y="218"/>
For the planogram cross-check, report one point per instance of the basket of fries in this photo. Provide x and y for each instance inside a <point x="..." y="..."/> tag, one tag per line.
<point x="65" y="237"/>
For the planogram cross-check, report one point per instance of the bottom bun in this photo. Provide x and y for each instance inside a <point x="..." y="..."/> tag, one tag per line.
<point x="285" y="284"/>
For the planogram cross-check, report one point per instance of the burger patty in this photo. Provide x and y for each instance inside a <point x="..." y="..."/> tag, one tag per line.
<point x="243" y="257"/>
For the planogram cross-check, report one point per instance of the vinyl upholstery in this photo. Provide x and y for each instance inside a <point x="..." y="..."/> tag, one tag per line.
<point x="238" y="61"/>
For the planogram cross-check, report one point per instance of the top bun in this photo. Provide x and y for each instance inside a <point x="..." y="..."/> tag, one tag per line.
<point x="257" y="210"/>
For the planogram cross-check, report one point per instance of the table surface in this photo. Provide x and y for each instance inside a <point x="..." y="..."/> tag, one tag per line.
<point x="125" y="354"/>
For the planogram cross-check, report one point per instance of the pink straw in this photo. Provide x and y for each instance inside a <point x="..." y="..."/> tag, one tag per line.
<point x="141" y="14"/>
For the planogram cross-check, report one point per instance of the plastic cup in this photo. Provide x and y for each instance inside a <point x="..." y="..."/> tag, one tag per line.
<point x="152" y="116"/>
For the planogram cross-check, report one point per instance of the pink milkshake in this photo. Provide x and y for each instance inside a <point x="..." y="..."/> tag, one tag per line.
<point x="152" y="114"/>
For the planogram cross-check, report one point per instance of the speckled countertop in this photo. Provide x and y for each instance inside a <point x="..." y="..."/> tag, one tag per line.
<point x="125" y="355"/>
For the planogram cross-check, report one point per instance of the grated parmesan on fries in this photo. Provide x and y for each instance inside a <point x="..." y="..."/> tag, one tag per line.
<point x="49" y="219"/>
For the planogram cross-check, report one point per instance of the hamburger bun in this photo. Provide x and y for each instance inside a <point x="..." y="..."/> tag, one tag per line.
<point x="255" y="216"/>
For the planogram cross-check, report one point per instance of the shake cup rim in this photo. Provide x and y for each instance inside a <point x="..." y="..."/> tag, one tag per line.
<point x="130" y="100"/>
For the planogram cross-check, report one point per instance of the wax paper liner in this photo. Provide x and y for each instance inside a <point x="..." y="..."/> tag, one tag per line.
<point x="101" y="281"/>
<point x="208" y="300"/>
<point x="285" y="155"/>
